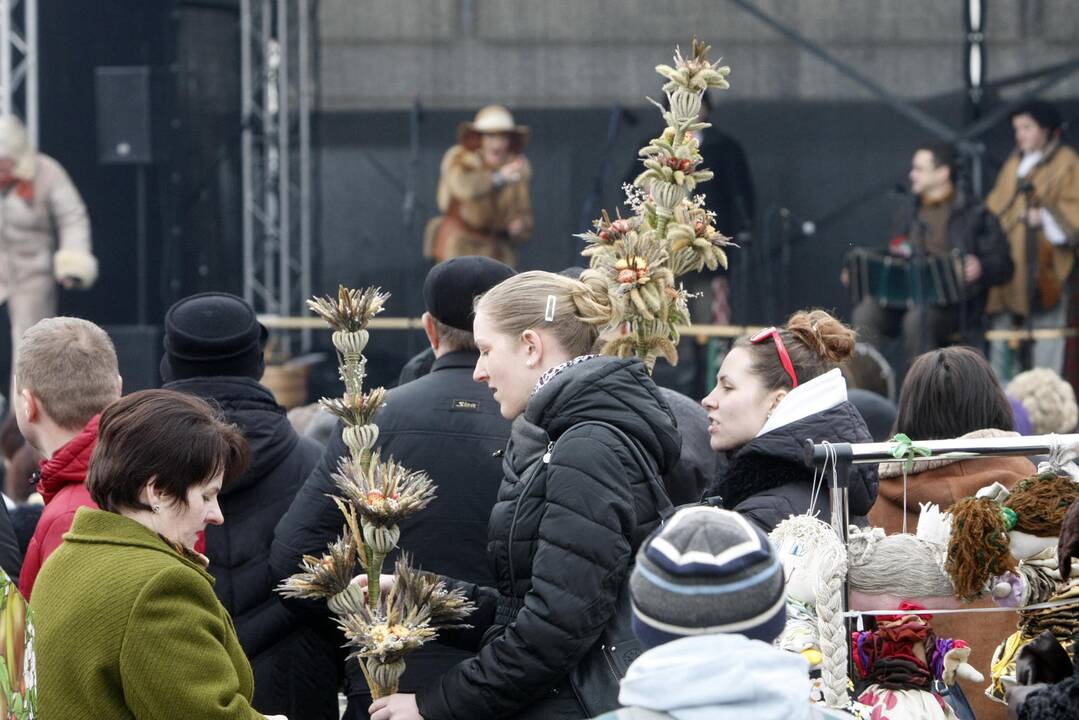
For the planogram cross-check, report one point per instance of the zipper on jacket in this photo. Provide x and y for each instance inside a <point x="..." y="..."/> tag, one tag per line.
<point x="513" y="521"/>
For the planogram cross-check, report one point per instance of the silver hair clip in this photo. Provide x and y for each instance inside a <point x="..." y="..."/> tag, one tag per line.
<point x="548" y="315"/>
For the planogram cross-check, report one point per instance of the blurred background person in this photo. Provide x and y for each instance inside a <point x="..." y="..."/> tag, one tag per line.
<point x="944" y="221"/>
<point x="1047" y="399"/>
<point x="483" y="191"/>
<point x="1036" y="197"/>
<point x="44" y="231"/>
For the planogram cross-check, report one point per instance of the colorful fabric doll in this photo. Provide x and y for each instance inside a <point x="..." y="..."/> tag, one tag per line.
<point x="1006" y="543"/>
<point x="902" y="660"/>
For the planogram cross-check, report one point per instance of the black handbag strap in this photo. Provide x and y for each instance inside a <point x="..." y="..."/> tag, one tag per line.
<point x="655" y="483"/>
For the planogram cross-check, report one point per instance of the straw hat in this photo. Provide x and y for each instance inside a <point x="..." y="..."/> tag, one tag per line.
<point x="493" y="119"/>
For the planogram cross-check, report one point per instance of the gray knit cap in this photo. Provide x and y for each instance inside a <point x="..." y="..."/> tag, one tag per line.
<point x="707" y="571"/>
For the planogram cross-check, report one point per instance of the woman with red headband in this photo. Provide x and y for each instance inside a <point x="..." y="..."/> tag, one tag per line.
<point x="775" y="390"/>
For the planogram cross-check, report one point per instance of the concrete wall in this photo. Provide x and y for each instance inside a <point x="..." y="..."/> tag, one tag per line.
<point x="381" y="54"/>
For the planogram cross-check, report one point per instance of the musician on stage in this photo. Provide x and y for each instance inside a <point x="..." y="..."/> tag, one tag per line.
<point x="942" y="220"/>
<point x="1036" y="197"/>
<point x="483" y="191"/>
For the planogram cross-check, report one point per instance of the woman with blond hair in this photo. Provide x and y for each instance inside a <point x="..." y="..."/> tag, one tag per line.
<point x="590" y="436"/>
<point x="774" y="391"/>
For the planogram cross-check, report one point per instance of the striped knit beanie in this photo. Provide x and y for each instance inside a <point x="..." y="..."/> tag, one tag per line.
<point x="707" y="571"/>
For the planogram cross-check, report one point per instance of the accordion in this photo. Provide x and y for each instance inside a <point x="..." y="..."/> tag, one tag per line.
<point x="896" y="282"/>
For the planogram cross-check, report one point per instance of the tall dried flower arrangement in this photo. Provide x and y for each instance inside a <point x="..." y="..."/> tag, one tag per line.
<point x="375" y="496"/>
<point x="670" y="232"/>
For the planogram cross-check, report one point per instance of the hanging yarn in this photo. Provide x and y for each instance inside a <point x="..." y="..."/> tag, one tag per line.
<point x="979" y="546"/>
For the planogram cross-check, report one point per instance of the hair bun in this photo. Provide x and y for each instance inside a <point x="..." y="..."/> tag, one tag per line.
<point x="592" y="298"/>
<point x="823" y="334"/>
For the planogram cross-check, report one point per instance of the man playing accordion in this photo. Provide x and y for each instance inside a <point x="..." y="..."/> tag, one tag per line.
<point x="930" y="287"/>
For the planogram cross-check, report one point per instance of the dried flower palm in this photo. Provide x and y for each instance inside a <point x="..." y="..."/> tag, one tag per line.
<point x="352" y="310"/>
<point x="418" y="605"/>
<point x="671" y="232"/>
<point x="326" y="576"/>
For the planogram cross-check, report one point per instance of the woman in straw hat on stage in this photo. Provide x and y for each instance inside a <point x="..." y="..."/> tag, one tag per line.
<point x="483" y="191"/>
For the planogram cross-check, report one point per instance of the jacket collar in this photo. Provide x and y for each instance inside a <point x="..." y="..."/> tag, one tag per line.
<point x="101" y="527"/>
<point x="819" y="394"/>
<point x="456" y="359"/>
<point x="68" y="465"/>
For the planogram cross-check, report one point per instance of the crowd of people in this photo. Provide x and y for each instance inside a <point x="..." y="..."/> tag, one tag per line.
<point x="605" y="529"/>
<point x="170" y="515"/>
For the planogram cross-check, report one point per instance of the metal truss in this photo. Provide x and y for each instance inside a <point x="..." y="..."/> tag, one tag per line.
<point x="18" y="63"/>
<point x="278" y="90"/>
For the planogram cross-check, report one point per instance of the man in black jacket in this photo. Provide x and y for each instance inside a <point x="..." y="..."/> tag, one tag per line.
<point x="943" y="221"/>
<point x="443" y="423"/>
<point x="213" y="349"/>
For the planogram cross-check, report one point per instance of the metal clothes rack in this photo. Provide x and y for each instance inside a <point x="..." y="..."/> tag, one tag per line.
<point x="843" y="455"/>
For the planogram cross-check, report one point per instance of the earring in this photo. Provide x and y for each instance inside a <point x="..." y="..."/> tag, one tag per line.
<point x="530" y="363"/>
<point x="157" y="509"/>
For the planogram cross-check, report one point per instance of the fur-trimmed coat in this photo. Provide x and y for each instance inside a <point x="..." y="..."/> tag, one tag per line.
<point x="1056" y="188"/>
<point x="44" y="237"/>
<point x="477" y="213"/>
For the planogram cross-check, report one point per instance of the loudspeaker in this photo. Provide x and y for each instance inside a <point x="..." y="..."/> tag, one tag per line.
<point x="139" y="351"/>
<point x="122" y="96"/>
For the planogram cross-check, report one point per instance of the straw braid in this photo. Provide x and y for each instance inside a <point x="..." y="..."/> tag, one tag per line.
<point x="832" y="629"/>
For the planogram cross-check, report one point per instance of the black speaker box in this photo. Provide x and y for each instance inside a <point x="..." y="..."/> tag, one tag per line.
<point x="123" y="98"/>
<point x="138" y="348"/>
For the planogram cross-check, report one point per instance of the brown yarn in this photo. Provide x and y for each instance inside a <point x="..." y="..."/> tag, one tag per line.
<point x="823" y="334"/>
<point x="1041" y="502"/>
<point x="978" y="548"/>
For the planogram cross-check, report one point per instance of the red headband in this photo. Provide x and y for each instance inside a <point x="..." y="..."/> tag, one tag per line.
<point x="781" y="349"/>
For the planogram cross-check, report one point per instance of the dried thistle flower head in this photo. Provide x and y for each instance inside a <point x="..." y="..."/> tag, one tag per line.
<point x="356" y="410"/>
<point x="425" y="596"/>
<point x="351" y="310"/>
<point x="409" y="615"/>
<point x="323" y="577"/>
<point x="387" y="493"/>
<point x="696" y="73"/>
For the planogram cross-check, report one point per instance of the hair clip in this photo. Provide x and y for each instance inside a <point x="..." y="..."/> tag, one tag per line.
<point x="548" y="315"/>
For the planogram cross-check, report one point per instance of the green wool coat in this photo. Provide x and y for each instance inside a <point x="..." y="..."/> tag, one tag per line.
<point x="129" y="628"/>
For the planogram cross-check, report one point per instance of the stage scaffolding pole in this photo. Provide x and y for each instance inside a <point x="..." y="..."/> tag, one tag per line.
<point x="277" y="90"/>
<point x="18" y="63"/>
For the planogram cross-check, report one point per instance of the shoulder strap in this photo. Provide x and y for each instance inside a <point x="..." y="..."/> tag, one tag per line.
<point x="655" y="482"/>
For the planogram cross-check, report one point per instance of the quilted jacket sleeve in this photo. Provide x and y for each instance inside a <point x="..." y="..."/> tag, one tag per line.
<point x="580" y="560"/>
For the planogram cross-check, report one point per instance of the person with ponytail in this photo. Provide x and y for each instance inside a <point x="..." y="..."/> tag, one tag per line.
<point x="591" y="436"/>
<point x="774" y="391"/>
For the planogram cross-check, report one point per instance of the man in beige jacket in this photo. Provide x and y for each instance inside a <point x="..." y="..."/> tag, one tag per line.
<point x="44" y="231"/>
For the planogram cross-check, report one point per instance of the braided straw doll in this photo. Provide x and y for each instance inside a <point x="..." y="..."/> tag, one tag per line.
<point x="1007" y="543"/>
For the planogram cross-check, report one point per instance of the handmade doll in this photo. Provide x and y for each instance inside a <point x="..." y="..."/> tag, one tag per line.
<point x="882" y="571"/>
<point x="1006" y="543"/>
